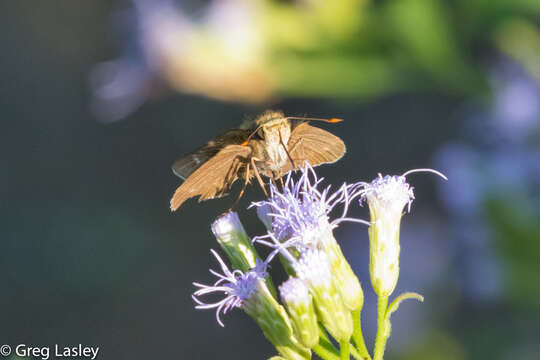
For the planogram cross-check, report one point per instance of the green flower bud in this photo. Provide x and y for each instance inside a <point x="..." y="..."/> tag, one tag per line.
<point x="314" y="269"/>
<point x="386" y="198"/>
<point x="275" y="323"/>
<point x="346" y="281"/>
<point x="295" y="295"/>
<point x="234" y="241"/>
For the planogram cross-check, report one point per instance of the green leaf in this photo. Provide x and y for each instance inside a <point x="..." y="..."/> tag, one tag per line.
<point x="395" y="305"/>
<point x="397" y="301"/>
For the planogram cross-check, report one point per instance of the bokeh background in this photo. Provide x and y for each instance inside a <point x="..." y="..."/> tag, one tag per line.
<point x="98" y="98"/>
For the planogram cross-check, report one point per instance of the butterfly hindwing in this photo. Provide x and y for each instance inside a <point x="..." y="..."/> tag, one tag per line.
<point x="187" y="164"/>
<point x="315" y="145"/>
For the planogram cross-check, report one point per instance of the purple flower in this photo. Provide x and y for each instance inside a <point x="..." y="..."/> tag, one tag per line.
<point x="236" y="285"/>
<point x="300" y="212"/>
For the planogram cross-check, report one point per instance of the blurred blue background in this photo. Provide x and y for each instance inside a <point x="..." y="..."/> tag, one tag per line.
<point x="99" y="98"/>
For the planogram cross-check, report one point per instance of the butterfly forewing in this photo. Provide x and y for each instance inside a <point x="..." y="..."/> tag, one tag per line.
<point x="214" y="178"/>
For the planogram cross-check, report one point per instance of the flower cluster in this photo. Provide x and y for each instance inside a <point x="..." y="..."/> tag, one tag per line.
<point x="322" y="289"/>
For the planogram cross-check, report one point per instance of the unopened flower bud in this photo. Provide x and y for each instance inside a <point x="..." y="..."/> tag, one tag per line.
<point x="346" y="281"/>
<point x="295" y="295"/>
<point x="314" y="269"/>
<point x="234" y="241"/>
<point x="275" y="323"/>
<point x="386" y="198"/>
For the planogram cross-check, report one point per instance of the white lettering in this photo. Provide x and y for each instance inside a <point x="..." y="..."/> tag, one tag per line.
<point x="32" y="351"/>
<point x="67" y="352"/>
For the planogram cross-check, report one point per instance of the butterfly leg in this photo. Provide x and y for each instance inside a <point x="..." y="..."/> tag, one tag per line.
<point x="302" y="155"/>
<point x="243" y="188"/>
<point x="258" y="176"/>
<point x="287" y="152"/>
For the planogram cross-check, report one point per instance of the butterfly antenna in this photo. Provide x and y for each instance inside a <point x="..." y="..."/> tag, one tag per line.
<point x="331" y="121"/>
<point x="246" y="142"/>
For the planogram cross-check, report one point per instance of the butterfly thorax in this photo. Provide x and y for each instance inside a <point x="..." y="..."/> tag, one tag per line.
<point x="270" y="145"/>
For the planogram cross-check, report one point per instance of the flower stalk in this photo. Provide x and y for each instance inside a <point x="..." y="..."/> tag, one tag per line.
<point x="358" y="337"/>
<point x="382" y="332"/>
<point x="344" y="350"/>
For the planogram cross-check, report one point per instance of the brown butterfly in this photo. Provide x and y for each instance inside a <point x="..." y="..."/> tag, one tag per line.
<point x="272" y="145"/>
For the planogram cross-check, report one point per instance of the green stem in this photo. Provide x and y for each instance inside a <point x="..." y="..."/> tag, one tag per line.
<point x="355" y="353"/>
<point x="322" y="333"/>
<point x="358" y="336"/>
<point x="325" y="346"/>
<point x="380" y="340"/>
<point x="328" y="346"/>
<point x="324" y="353"/>
<point x="344" y="350"/>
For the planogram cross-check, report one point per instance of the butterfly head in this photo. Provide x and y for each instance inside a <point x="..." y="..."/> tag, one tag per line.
<point x="274" y="128"/>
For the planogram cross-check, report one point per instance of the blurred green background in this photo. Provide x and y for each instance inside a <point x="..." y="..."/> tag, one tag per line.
<point x="99" y="98"/>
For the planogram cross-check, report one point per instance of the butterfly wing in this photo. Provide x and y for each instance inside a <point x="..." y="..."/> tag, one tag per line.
<point x="315" y="145"/>
<point x="214" y="178"/>
<point x="187" y="164"/>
